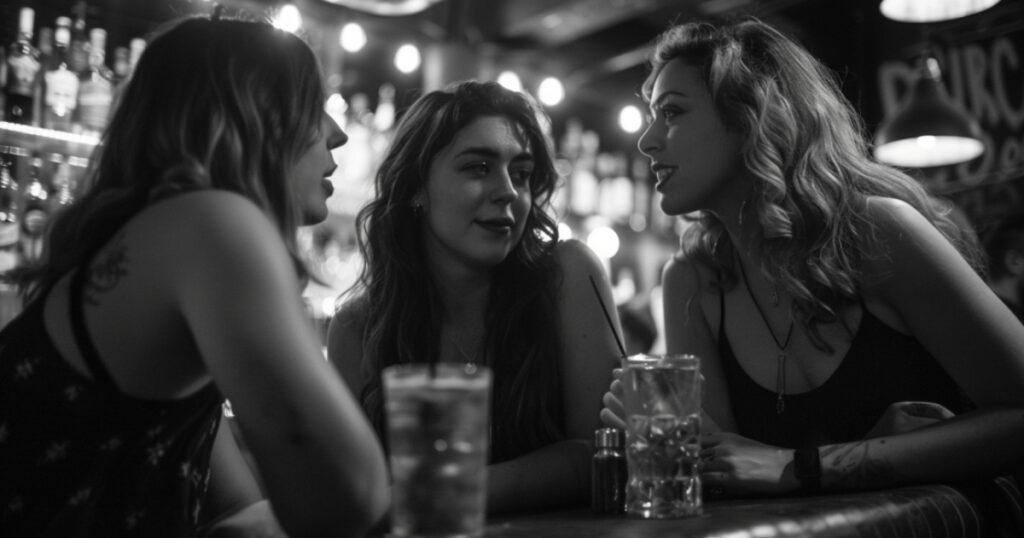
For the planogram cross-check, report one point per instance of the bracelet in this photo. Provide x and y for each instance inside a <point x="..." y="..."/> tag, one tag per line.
<point x="807" y="467"/>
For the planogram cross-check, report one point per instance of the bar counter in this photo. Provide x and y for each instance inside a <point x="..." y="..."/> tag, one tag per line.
<point x="991" y="509"/>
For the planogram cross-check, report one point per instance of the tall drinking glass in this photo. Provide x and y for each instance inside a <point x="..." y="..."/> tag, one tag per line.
<point x="662" y="405"/>
<point x="438" y="424"/>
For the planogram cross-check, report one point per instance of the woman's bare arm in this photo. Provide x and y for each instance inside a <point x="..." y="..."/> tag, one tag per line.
<point x="318" y="458"/>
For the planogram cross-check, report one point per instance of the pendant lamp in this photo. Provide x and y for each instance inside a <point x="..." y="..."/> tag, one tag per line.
<point x="387" y="8"/>
<point x="929" y="129"/>
<point x="932" y="10"/>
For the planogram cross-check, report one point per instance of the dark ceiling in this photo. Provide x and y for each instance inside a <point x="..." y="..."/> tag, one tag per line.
<point x="597" y="47"/>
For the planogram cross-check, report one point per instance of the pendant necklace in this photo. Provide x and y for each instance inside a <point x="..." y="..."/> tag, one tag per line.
<point x="780" y="364"/>
<point x="469" y="359"/>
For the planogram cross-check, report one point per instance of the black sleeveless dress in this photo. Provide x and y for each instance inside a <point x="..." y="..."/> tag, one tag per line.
<point x="79" y="458"/>
<point x="882" y="366"/>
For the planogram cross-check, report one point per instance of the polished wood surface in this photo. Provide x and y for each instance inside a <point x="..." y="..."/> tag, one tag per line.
<point x="984" y="510"/>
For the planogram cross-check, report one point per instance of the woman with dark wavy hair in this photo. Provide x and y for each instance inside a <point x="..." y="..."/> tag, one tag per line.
<point x="463" y="265"/>
<point x="172" y="284"/>
<point x="822" y="290"/>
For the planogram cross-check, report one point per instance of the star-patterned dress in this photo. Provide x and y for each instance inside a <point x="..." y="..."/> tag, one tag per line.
<point x="79" y="458"/>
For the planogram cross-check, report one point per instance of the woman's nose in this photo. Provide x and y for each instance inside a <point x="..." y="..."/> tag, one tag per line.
<point x="505" y="191"/>
<point x="649" y="140"/>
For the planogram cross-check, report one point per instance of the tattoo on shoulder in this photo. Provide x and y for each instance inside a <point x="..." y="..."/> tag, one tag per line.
<point x="854" y="466"/>
<point x="107" y="271"/>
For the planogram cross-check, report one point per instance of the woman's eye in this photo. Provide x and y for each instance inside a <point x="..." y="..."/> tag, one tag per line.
<point x="521" y="177"/>
<point x="477" y="169"/>
<point x="669" y="112"/>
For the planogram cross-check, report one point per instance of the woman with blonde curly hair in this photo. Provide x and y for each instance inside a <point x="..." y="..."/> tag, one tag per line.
<point x="823" y="291"/>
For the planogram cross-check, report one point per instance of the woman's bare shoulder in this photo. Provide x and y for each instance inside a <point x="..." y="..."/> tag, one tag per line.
<point x="574" y="254"/>
<point x="352" y="313"/>
<point x="685" y="273"/>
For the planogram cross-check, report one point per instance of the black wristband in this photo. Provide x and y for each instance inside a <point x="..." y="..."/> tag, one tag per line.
<point x="807" y="467"/>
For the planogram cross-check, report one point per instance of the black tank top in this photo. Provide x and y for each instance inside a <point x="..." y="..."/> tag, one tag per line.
<point x="79" y="458"/>
<point x="882" y="366"/>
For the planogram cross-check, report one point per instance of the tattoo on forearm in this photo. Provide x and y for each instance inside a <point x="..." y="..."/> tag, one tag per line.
<point x="853" y="466"/>
<point x="106" y="273"/>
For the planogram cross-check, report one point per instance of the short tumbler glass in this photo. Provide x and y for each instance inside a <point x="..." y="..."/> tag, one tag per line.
<point x="438" y="425"/>
<point x="662" y="405"/>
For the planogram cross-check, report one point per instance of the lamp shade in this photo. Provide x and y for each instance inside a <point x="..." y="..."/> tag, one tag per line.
<point x="929" y="129"/>
<point x="932" y="10"/>
<point x="386" y="8"/>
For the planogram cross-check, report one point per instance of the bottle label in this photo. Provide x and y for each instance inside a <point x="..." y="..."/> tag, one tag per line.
<point x="61" y="91"/>
<point x="8" y="234"/>
<point x="8" y="259"/>
<point x="34" y="221"/>
<point x="94" y="100"/>
<point x="21" y="74"/>
<point x="78" y="57"/>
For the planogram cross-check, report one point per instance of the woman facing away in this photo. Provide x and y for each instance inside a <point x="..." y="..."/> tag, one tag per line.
<point x="173" y="283"/>
<point x="822" y="290"/>
<point x="463" y="265"/>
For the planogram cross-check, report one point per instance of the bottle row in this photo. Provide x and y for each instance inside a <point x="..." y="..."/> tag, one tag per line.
<point x="61" y="79"/>
<point x="31" y="190"/>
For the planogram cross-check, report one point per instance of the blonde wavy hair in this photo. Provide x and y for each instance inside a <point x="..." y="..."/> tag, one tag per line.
<point x="805" y="149"/>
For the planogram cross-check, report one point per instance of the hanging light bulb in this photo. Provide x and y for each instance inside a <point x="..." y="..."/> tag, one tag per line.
<point x="932" y="10"/>
<point x="929" y="129"/>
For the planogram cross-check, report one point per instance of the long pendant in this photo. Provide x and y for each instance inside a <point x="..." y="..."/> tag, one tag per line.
<point x="780" y="383"/>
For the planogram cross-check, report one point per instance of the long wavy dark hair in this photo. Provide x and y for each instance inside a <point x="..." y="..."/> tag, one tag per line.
<point x="806" y="150"/>
<point x="212" y="104"/>
<point x="402" y="304"/>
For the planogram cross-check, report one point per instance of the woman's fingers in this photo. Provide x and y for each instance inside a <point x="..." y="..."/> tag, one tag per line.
<point x="617" y="389"/>
<point x="614" y="404"/>
<point x="612" y="420"/>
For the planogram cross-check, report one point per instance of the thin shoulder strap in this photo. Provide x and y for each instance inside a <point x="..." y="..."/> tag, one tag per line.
<point x="721" y="309"/>
<point x="85" y="343"/>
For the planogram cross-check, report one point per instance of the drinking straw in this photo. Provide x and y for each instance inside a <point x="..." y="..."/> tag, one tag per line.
<point x="607" y="316"/>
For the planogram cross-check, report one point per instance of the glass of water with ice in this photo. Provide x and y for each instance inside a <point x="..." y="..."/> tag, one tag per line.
<point x="662" y="404"/>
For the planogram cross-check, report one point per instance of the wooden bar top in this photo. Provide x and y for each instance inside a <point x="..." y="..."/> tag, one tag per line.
<point x="979" y="510"/>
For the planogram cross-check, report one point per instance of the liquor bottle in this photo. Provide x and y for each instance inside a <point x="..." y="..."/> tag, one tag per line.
<point x="3" y="81"/>
<point x="121" y="66"/>
<point x="78" y="51"/>
<point x="9" y="230"/>
<point x="135" y="48"/>
<point x="61" y="82"/>
<point x="10" y="302"/>
<point x="33" y="220"/>
<point x="96" y="91"/>
<point x="45" y="46"/>
<point x="22" y="71"/>
<point x="62" y="182"/>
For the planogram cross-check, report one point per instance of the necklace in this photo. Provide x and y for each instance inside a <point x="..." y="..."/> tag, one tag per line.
<point x="469" y="359"/>
<point x="780" y="364"/>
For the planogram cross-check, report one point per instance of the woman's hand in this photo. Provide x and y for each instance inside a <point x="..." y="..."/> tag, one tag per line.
<point x="614" y="415"/>
<point x="735" y="465"/>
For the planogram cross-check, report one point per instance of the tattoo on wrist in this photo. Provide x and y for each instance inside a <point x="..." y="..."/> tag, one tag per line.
<point x="107" y="272"/>
<point x="854" y="466"/>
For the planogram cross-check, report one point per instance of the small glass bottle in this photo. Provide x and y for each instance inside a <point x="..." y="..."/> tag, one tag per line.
<point x="608" y="473"/>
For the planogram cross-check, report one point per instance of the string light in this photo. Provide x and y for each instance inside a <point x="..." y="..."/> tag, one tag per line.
<point x="407" y="59"/>
<point x="510" y="80"/>
<point x="630" y="119"/>
<point x="352" y="37"/>
<point x="551" y="92"/>
<point x="288" y="18"/>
